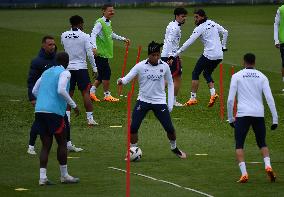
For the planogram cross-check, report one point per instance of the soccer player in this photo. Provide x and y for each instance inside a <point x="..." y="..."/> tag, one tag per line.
<point x="171" y="45"/>
<point x="279" y="35"/>
<point x="102" y="39"/>
<point x="52" y="98"/>
<point x="152" y="74"/>
<point x="208" y="31"/>
<point x="249" y="84"/>
<point x="77" y="44"/>
<point x="44" y="60"/>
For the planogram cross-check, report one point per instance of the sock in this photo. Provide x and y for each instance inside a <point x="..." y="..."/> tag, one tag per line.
<point x="63" y="170"/>
<point x="69" y="143"/>
<point x="89" y="115"/>
<point x="42" y="173"/>
<point x="283" y="79"/>
<point x="175" y="99"/>
<point x="173" y="144"/>
<point x="31" y="147"/>
<point x="68" y="113"/>
<point x="107" y="93"/>
<point x="133" y="145"/>
<point x="243" y="168"/>
<point x="212" y="91"/>
<point x="267" y="162"/>
<point x="193" y="95"/>
<point x="93" y="90"/>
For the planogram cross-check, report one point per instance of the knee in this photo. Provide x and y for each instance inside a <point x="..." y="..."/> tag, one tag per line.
<point x="207" y="77"/>
<point x="195" y="75"/>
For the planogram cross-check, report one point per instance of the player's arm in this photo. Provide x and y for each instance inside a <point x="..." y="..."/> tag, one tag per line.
<point x="224" y="33"/>
<point x="34" y="74"/>
<point x="62" y="88"/>
<point x="95" y="32"/>
<point x="36" y="87"/>
<point x="169" y="78"/>
<point x="231" y="98"/>
<point x="276" y="26"/>
<point x="88" y="48"/>
<point x="131" y="75"/>
<point x="117" y="37"/>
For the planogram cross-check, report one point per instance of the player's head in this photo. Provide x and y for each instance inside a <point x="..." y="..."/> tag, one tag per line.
<point x="249" y="60"/>
<point x="108" y="10"/>
<point x="154" y="52"/>
<point x="199" y="16"/>
<point x="76" y="21"/>
<point x="62" y="58"/>
<point x="48" y="44"/>
<point x="180" y="15"/>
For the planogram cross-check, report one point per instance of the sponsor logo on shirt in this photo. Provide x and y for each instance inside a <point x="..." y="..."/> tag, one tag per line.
<point x="250" y="75"/>
<point x="155" y="77"/>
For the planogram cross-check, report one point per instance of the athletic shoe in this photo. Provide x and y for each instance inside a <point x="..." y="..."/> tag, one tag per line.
<point x="271" y="175"/>
<point x="212" y="100"/>
<point x="177" y="104"/>
<point x="110" y="99"/>
<point x="73" y="148"/>
<point x="282" y="90"/>
<point x="45" y="181"/>
<point x="243" y="179"/>
<point x="31" y="151"/>
<point x="69" y="179"/>
<point x="192" y="101"/>
<point x="92" y="122"/>
<point x="179" y="153"/>
<point x="94" y="97"/>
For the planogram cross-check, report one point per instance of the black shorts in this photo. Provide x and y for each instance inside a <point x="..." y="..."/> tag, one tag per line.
<point x="49" y="123"/>
<point x="242" y="127"/>
<point x="176" y="67"/>
<point x="282" y="53"/>
<point x="160" y="110"/>
<point x="104" y="71"/>
<point x="81" y="79"/>
<point x="207" y="66"/>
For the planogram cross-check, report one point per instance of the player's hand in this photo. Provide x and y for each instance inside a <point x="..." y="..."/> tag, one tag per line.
<point x="127" y="41"/>
<point x="33" y="102"/>
<point x="170" y="109"/>
<point x="76" y="110"/>
<point x="170" y="62"/>
<point x="277" y="46"/>
<point x="224" y="49"/>
<point x="95" y="52"/>
<point x="273" y="126"/>
<point x="119" y="82"/>
<point x="232" y="124"/>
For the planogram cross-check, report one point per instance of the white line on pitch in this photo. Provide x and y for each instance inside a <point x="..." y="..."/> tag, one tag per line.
<point x="14" y="100"/>
<point x="163" y="181"/>
<point x="115" y="126"/>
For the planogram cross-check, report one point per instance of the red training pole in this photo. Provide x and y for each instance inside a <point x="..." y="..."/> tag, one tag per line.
<point x="235" y="102"/>
<point x="129" y="95"/>
<point x="221" y="93"/>
<point x="123" y="67"/>
<point x="137" y="60"/>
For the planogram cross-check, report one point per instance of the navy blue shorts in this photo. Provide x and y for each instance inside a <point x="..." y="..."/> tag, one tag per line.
<point x="104" y="71"/>
<point x="49" y="123"/>
<point x="81" y="79"/>
<point x="160" y="110"/>
<point x="282" y="53"/>
<point x="207" y="66"/>
<point x="242" y="127"/>
<point x="176" y="67"/>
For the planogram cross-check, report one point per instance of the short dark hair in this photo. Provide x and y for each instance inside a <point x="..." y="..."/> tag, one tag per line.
<point x="249" y="58"/>
<point x="43" y="40"/>
<point x="154" y="47"/>
<point x="200" y="12"/>
<point x="179" y="11"/>
<point x="62" y="58"/>
<point x="105" y="6"/>
<point x="76" y="20"/>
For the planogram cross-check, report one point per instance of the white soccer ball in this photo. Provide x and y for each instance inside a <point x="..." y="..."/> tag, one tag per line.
<point x="135" y="153"/>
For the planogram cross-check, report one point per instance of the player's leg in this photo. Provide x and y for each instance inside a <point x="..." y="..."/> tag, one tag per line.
<point x="32" y="140"/>
<point x="163" y="115"/>
<point x="70" y="147"/>
<point x="97" y="82"/>
<point x="259" y="129"/>
<point x="241" y="129"/>
<point x="282" y="58"/>
<point x="71" y="91"/>
<point x="176" y="70"/>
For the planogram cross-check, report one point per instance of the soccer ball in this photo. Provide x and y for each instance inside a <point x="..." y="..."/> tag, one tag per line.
<point x="135" y="153"/>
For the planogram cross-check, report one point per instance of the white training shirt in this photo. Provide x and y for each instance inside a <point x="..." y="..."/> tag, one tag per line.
<point x="276" y="26"/>
<point x="152" y="82"/>
<point x="249" y="84"/>
<point x="172" y="39"/>
<point x="77" y="44"/>
<point x="209" y="35"/>
<point x="64" y="78"/>
<point x="97" y="31"/>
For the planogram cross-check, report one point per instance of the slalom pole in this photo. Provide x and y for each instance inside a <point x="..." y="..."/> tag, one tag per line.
<point x="221" y="93"/>
<point x="129" y="95"/>
<point x="235" y="101"/>
<point x="123" y="68"/>
<point x="137" y="60"/>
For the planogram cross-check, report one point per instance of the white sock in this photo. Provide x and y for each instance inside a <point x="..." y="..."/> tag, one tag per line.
<point x="107" y="93"/>
<point x="63" y="170"/>
<point x="93" y="89"/>
<point x="173" y="144"/>
<point x="283" y="79"/>
<point x="133" y="145"/>
<point x="193" y="95"/>
<point x="68" y="113"/>
<point x="31" y="147"/>
<point x="175" y="99"/>
<point x="243" y="168"/>
<point x="89" y="115"/>
<point x="212" y="91"/>
<point x="69" y="143"/>
<point x="42" y="173"/>
<point x="267" y="162"/>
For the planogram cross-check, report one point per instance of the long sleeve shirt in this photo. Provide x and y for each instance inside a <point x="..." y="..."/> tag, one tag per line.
<point x="276" y="27"/>
<point x="249" y="85"/>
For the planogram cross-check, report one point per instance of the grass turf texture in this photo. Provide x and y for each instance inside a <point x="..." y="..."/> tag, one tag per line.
<point x="199" y="129"/>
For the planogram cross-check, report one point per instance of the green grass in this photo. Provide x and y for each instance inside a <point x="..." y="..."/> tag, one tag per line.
<point x="199" y="129"/>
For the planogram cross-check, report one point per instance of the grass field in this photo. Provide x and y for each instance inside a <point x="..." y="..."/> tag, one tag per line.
<point x="199" y="129"/>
